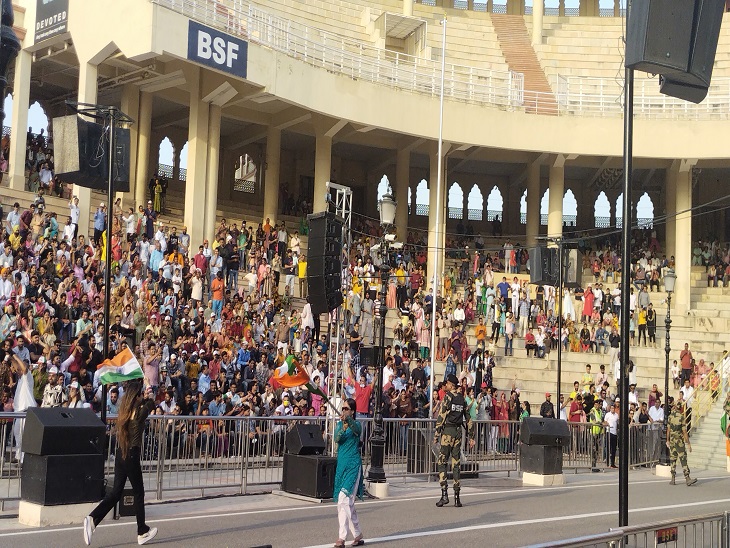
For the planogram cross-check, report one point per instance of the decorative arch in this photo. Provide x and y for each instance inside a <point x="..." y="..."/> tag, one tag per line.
<point x="570" y="209"/>
<point x="37" y="117"/>
<point x="166" y="160"/>
<point x="495" y="204"/>
<point x="475" y="204"/>
<point x="545" y="207"/>
<point x="422" y="199"/>
<point x="620" y="211"/>
<point x="410" y="199"/>
<point x="645" y="211"/>
<point x="602" y="211"/>
<point x="246" y="174"/>
<point x="383" y="189"/>
<point x="523" y="208"/>
<point x="456" y="201"/>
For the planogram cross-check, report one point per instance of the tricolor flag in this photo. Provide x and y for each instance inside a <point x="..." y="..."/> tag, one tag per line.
<point x="290" y="375"/>
<point x="122" y="367"/>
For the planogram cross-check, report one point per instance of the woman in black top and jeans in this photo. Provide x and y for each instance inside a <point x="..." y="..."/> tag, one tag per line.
<point x="136" y="405"/>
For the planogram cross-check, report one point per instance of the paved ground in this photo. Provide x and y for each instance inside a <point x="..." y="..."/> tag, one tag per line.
<point x="497" y="512"/>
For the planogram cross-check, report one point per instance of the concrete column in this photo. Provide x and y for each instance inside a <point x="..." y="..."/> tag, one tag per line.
<point x="555" y="209"/>
<point x="683" y="238"/>
<point x="408" y="8"/>
<point x="671" y="208"/>
<point x="88" y="91"/>
<point x="322" y="170"/>
<point x="19" y="125"/>
<point x="538" y="10"/>
<point x="561" y="8"/>
<point x="533" y="204"/>
<point x="402" y="183"/>
<point x="273" y="174"/>
<point x="195" y="193"/>
<point x="617" y="8"/>
<point x="130" y="106"/>
<point x="211" y="184"/>
<point x="436" y="246"/>
<point x="144" y="134"/>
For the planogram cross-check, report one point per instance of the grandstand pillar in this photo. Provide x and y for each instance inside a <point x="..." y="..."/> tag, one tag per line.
<point x="436" y="246"/>
<point x="561" y="8"/>
<point x="533" y="204"/>
<point x="683" y="237"/>
<point x="408" y="12"/>
<point x="272" y="173"/>
<point x="19" y="121"/>
<point x="88" y="92"/>
<point x="402" y="182"/>
<point x="130" y="106"/>
<point x="617" y="8"/>
<point x="196" y="180"/>
<point x="555" y="205"/>
<point x="538" y="10"/>
<point x="211" y="184"/>
<point x="322" y="170"/>
<point x="144" y="131"/>
<point x="670" y="208"/>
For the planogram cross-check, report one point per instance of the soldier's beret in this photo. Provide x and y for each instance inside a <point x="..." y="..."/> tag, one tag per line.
<point x="452" y="379"/>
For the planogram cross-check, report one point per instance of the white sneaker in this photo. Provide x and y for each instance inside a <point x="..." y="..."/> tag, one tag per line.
<point x="148" y="536"/>
<point x="89" y="528"/>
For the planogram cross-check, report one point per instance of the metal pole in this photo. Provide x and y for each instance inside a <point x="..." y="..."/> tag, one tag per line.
<point x="667" y="350"/>
<point x="623" y="473"/>
<point x="376" y="474"/>
<point x="111" y="119"/>
<point x="439" y="182"/>
<point x="560" y="321"/>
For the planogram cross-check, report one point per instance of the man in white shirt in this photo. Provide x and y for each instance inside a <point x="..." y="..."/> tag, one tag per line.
<point x="68" y="231"/>
<point x="687" y="395"/>
<point x="74" y="212"/>
<point x="656" y="414"/>
<point x="611" y="420"/>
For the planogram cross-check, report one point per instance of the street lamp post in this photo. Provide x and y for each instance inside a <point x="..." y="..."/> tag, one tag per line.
<point x="9" y="48"/>
<point x="376" y="473"/>
<point x="669" y="279"/>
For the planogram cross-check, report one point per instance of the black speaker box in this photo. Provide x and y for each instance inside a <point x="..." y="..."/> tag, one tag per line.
<point x="51" y="480"/>
<point x="324" y="262"/>
<point x="63" y="431"/>
<point x="541" y="459"/>
<point x="544" y="266"/>
<point x="309" y="475"/>
<point x="81" y="153"/>
<point x="368" y="356"/>
<point x="539" y="431"/>
<point x="126" y="503"/>
<point x="305" y="439"/>
<point x="675" y="38"/>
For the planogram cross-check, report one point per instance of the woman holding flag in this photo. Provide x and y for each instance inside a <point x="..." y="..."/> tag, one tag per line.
<point x="136" y="405"/>
<point x="348" y="476"/>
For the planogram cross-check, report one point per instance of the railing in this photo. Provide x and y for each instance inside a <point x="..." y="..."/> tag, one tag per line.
<point x="707" y="530"/>
<point x="242" y="454"/>
<point x="244" y="185"/>
<point x="163" y="170"/>
<point x="705" y="395"/>
<point x="583" y="96"/>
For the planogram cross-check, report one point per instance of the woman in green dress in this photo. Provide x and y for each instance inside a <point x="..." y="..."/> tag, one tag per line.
<point x="158" y="196"/>
<point x="348" y="476"/>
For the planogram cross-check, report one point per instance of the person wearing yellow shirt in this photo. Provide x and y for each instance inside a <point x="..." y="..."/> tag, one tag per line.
<point x="587" y="379"/>
<point x="401" y="290"/>
<point x="302" y="275"/>
<point x="642" y="325"/>
<point x="15" y="239"/>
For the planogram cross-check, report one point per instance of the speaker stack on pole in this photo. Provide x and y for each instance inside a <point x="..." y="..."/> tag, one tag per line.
<point x="63" y="465"/>
<point x="676" y="39"/>
<point x="307" y="472"/>
<point x="324" y="262"/>
<point x="541" y="450"/>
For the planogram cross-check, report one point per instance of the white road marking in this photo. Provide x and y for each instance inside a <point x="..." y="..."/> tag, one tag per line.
<point x="328" y="507"/>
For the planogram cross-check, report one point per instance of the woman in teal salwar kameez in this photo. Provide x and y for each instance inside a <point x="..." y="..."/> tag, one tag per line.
<point x="348" y="477"/>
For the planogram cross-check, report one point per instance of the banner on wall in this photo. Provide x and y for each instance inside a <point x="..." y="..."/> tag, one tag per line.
<point x="51" y="19"/>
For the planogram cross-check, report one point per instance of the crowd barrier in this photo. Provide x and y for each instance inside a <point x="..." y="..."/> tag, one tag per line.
<point x="245" y="454"/>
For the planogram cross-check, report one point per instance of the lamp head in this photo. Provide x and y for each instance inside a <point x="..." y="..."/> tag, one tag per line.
<point x="387" y="210"/>
<point x="670" y="277"/>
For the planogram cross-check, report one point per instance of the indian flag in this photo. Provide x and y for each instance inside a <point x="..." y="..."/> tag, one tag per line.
<point x="122" y="367"/>
<point x="290" y="374"/>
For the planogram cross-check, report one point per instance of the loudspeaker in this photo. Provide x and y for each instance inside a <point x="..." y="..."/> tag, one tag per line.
<point x="674" y="88"/>
<point x="324" y="262"/>
<point x="368" y="356"/>
<point x="62" y="479"/>
<point x="573" y="268"/>
<point x="675" y="38"/>
<point x="309" y="475"/>
<point x="541" y="459"/>
<point x="543" y="263"/>
<point x="63" y="431"/>
<point x="81" y="153"/>
<point x="548" y="432"/>
<point x="126" y="503"/>
<point x="305" y="439"/>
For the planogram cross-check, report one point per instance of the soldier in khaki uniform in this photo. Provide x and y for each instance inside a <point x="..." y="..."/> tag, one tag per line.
<point x="453" y="416"/>
<point x="678" y="442"/>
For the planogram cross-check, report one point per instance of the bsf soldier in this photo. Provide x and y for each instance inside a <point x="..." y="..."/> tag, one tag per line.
<point x="678" y="442"/>
<point x="452" y="417"/>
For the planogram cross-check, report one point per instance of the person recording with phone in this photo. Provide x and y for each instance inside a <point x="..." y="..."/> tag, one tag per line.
<point x="348" y="475"/>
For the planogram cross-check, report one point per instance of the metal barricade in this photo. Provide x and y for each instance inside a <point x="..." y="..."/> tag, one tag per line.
<point x="588" y="450"/>
<point x="9" y="464"/>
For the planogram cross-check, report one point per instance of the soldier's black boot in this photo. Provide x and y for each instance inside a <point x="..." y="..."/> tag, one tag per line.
<point x="444" y="498"/>
<point x="673" y="480"/>
<point x="457" y="500"/>
<point x="690" y="481"/>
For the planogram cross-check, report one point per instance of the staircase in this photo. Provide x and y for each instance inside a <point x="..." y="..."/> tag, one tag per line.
<point x="521" y="57"/>
<point x="708" y="443"/>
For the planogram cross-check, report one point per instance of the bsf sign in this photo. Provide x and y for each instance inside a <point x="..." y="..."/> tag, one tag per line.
<point x="217" y="50"/>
